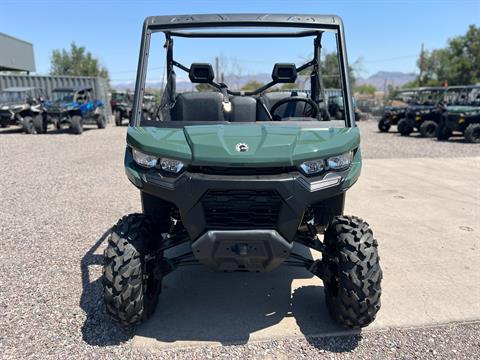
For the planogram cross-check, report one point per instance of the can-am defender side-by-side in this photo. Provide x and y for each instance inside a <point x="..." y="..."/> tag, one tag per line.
<point x="149" y="106"/>
<point x="462" y="115"/>
<point x="74" y="107"/>
<point x="121" y="103"/>
<point x="20" y="106"/>
<point x="240" y="176"/>
<point x="423" y="113"/>
<point x="395" y="109"/>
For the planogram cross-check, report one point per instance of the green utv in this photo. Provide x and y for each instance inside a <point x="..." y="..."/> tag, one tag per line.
<point x="462" y="115"/>
<point x="238" y="177"/>
<point x="423" y="113"/>
<point x="121" y="103"/>
<point x="395" y="109"/>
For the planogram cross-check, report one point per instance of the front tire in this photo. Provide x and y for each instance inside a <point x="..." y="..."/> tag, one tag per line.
<point x="472" y="133"/>
<point x="101" y="122"/>
<point x="443" y="133"/>
<point x="39" y="124"/>
<point x="404" y="128"/>
<point x="28" y="125"/>
<point x="428" y="129"/>
<point x="352" y="273"/>
<point x="130" y="287"/>
<point x="384" y="125"/>
<point x="76" y="124"/>
<point x="118" y="117"/>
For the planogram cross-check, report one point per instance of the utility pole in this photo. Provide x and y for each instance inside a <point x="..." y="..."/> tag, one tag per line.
<point x="421" y="65"/>
<point x="218" y="71"/>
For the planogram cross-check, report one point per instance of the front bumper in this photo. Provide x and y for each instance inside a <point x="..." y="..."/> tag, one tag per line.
<point x="8" y="117"/>
<point x="242" y="202"/>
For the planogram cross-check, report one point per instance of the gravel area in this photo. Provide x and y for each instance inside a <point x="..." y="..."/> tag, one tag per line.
<point x="378" y="145"/>
<point x="60" y="193"/>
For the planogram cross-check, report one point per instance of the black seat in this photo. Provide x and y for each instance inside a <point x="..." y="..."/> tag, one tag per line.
<point x="244" y="109"/>
<point x="291" y="109"/>
<point x="198" y="106"/>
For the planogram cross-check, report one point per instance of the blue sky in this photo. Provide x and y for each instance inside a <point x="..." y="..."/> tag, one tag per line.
<point x="386" y="35"/>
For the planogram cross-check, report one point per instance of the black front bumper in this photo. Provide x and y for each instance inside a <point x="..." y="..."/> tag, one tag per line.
<point x="241" y="202"/>
<point x="8" y="118"/>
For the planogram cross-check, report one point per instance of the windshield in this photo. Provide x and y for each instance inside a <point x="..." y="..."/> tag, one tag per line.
<point x="404" y="96"/>
<point x="218" y="77"/>
<point x="62" y="96"/>
<point x="13" y="96"/>
<point x="474" y="97"/>
<point x="121" y="96"/>
<point x="429" y="97"/>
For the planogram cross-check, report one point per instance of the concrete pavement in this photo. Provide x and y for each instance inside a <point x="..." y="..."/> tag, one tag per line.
<point x="425" y="214"/>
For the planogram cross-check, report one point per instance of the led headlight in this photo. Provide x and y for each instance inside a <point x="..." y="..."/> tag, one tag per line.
<point x="145" y="160"/>
<point x="313" y="166"/>
<point x="340" y="162"/>
<point x="171" y="165"/>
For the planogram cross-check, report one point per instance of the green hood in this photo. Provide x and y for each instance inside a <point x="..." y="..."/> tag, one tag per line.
<point x="268" y="145"/>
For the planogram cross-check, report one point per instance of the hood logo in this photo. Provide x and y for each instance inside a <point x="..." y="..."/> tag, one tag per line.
<point x="241" y="147"/>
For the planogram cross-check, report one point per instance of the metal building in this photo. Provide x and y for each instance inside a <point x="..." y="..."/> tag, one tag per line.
<point x="16" y="54"/>
<point x="48" y="83"/>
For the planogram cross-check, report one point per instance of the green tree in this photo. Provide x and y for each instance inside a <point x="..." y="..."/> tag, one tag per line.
<point x="252" y="85"/>
<point x="76" y="62"/>
<point x="456" y="64"/>
<point x="366" y="89"/>
<point x="204" y="87"/>
<point x="289" y="86"/>
<point x="331" y="72"/>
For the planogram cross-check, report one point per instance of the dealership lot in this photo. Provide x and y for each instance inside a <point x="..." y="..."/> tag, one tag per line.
<point x="60" y="193"/>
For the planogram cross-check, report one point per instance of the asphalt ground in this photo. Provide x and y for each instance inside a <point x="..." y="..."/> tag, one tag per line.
<point x="59" y="193"/>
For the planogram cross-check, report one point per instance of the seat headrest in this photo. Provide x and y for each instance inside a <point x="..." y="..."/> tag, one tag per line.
<point x="284" y="73"/>
<point x="201" y="73"/>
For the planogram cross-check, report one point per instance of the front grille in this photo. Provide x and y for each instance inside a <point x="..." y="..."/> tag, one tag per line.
<point x="241" y="209"/>
<point x="220" y="170"/>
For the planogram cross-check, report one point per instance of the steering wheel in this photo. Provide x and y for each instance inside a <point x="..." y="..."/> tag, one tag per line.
<point x="313" y="111"/>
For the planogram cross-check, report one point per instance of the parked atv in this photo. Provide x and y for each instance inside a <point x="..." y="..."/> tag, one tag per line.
<point x="463" y="116"/>
<point x="395" y="109"/>
<point x="240" y="177"/>
<point x="423" y="113"/>
<point x="74" y="107"/>
<point x="121" y="103"/>
<point x="20" y="106"/>
<point x="336" y="106"/>
<point x="149" y="106"/>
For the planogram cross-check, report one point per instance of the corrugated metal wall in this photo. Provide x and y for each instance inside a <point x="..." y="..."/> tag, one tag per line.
<point x="48" y="83"/>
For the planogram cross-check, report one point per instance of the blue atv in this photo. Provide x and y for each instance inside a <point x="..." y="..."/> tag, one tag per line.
<point x="74" y="107"/>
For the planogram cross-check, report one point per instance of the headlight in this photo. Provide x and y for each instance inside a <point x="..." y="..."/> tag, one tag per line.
<point x="145" y="160"/>
<point x="312" y="167"/>
<point x="340" y="162"/>
<point x="171" y="165"/>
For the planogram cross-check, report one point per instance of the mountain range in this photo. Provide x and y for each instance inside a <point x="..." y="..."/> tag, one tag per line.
<point x="380" y="80"/>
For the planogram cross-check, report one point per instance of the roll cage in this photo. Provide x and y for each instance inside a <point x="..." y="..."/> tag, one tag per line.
<point x="189" y="25"/>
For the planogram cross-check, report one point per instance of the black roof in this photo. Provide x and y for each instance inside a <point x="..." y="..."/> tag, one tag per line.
<point x="171" y="22"/>
<point x="19" y="89"/>
<point x="73" y="88"/>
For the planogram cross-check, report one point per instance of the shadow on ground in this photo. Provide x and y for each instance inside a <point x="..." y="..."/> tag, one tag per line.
<point x="98" y="329"/>
<point x="201" y="305"/>
<point x="51" y="131"/>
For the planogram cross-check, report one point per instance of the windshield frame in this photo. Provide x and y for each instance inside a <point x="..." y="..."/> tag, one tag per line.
<point x="57" y="100"/>
<point x="175" y="25"/>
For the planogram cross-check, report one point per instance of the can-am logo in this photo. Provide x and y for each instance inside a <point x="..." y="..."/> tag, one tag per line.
<point x="241" y="147"/>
